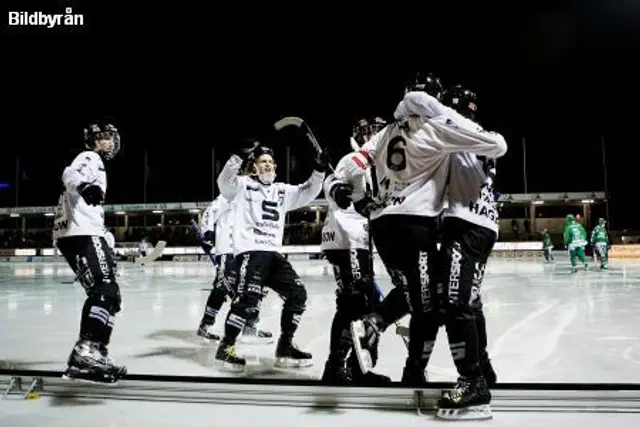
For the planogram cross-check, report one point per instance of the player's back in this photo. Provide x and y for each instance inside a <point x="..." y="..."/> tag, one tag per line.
<point x="411" y="169"/>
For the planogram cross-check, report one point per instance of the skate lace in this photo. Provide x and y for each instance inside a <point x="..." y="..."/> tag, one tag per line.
<point x="460" y="389"/>
<point x="231" y="351"/>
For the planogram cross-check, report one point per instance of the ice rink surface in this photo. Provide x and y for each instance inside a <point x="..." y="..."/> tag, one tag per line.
<point x="544" y="325"/>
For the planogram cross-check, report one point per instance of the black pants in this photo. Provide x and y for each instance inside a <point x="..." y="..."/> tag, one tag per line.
<point x="465" y="250"/>
<point x="224" y="286"/>
<point x="92" y="262"/>
<point x="408" y="248"/>
<point x="254" y="270"/>
<point x="355" y="297"/>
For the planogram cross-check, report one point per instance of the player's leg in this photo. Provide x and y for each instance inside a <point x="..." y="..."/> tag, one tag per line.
<point x="94" y="264"/>
<point x="465" y="248"/>
<point x="603" y="251"/>
<point x="579" y="251"/>
<point x="364" y="299"/>
<point x="420" y="265"/>
<point x="251" y="332"/>
<point x="283" y="279"/>
<point x="251" y="270"/>
<point x="340" y="343"/>
<point x="223" y="287"/>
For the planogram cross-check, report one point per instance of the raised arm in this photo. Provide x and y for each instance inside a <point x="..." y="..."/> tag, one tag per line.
<point x="229" y="181"/>
<point x="297" y="196"/>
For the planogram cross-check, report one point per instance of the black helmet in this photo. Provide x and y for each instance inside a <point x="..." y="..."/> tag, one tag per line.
<point x="98" y="131"/>
<point x="425" y="82"/>
<point x="463" y="100"/>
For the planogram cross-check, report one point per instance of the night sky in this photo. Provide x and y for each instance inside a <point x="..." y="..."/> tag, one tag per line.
<point x="180" y="82"/>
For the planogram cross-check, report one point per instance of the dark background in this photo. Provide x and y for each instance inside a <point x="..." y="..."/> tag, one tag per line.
<point x="180" y="81"/>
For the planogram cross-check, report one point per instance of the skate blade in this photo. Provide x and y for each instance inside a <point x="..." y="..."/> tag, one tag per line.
<point x="209" y="338"/>
<point x="364" y="357"/>
<point x="89" y="381"/>
<point x="230" y="367"/>
<point x="479" y="412"/>
<point x="254" y="339"/>
<point x="285" y="362"/>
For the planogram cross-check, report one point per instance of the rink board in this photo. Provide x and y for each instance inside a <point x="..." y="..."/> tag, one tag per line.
<point x="591" y="398"/>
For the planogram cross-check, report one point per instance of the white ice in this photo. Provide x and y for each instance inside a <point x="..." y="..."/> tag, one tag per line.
<point x="544" y="324"/>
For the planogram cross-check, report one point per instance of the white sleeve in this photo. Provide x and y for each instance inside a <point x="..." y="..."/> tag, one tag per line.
<point x="229" y="181"/>
<point x="83" y="169"/>
<point x="419" y="104"/>
<point x="297" y="196"/>
<point x="212" y="214"/>
<point x="111" y="240"/>
<point x="457" y="136"/>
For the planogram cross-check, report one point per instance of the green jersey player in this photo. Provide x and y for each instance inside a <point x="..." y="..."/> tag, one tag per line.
<point x="600" y="243"/>
<point x="547" y="246"/>
<point x="575" y="239"/>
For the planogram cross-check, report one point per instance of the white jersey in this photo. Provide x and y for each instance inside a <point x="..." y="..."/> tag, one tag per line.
<point x="471" y="195"/>
<point x="219" y="216"/>
<point x="343" y="228"/>
<point x="73" y="217"/>
<point x="261" y="209"/>
<point x="411" y="158"/>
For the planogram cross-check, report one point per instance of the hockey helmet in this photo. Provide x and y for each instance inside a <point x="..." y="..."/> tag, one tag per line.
<point x="99" y="131"/>
<point x="361" y="131"/>
<point x="425" y="82"/>
<point x="461" y="99"/>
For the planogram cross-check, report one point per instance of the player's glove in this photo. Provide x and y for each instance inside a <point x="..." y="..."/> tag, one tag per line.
<point x="207" y="241"/>
<point x="92" y="194"/>
<point x="364" y="206"/>
<point x="341" y="194"/>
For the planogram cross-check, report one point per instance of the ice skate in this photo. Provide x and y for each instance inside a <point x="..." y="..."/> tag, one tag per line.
<point x="335" y="374"/>
<point x="205" y="332"/>
<point x="370" y="378"/>
<point x="253" y="335"/>
<point x="89" y="363"/>
<point x="365" y="334"/>
<point x="228" y="359"/>
<point x="469" y="400"/>
<point x="288" y="355"/>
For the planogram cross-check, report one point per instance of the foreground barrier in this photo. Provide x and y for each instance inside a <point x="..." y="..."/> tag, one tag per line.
<point x="602" y="398"/>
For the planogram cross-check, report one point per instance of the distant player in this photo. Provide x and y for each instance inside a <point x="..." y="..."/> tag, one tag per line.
<point x="345" y="243"/>
<point x="79" y="234"/>
<point x="261" y="206"/>
<point x="144" y="247"/>
<point x="600" y="243"/>
<point x="547" y="246"/>
<point x="575" y="239"/>
<point x="219" y="216"/>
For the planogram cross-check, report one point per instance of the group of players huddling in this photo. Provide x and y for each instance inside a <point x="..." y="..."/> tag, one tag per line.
<point x="422" y="179"/>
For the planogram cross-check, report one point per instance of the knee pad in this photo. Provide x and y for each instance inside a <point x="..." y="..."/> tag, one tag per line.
<point x="296" y="301"/>
<point x="108" y="294"/>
